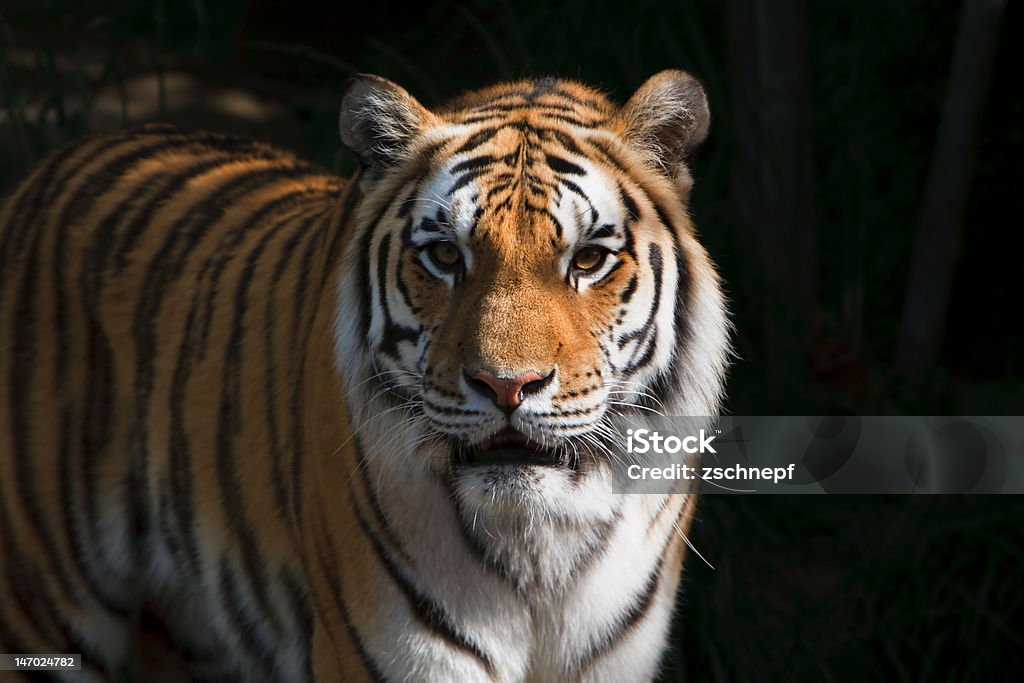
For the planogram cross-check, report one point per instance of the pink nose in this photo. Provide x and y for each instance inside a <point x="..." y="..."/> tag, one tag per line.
<point x="508" y="392"/>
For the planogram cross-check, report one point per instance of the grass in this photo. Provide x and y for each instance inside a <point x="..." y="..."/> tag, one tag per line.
<point x="852" y="588"/>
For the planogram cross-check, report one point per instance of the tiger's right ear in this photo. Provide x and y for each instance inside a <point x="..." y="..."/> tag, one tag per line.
<point x="666" y="119"/>
<point x="379" y="120"/>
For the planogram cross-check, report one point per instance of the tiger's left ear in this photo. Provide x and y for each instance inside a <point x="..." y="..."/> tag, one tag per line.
<point x="666" y="119"/>
<point x="379" y="120"/>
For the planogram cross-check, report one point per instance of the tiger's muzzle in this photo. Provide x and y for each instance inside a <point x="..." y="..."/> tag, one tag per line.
<point x="509" y="447"/>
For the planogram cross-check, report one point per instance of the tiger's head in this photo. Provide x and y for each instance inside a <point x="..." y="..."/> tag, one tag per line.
<point x="522" y="266"/>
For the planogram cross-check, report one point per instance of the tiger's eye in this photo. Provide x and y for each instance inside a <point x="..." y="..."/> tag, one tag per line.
<point x="445" y="254"/>
<point x="589" y="259"/>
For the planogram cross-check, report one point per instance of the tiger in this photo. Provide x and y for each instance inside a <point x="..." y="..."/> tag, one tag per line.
<point x="309" y="428"/>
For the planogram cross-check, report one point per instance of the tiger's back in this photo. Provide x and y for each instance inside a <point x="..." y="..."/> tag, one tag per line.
<point x="146" y="276"/>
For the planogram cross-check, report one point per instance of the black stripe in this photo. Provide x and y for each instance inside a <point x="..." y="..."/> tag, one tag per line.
<point x="464" y="180"/>
<point x="403" y="288"/>
<point x="544" y="211"/>
<point x="232" y="364"/>
<point x="606" y="230"/>
<point x="563" y="166"/>
<point x="426" y="225"/>
<point x="623" y="624"/>
<point x="656" y="269"/>
<point x="630" y="289"/>
<point x="666" y="383"/>
<point x="486" y="560"/>
<point x="576" y="189"/>
<point x="501" y="181"/>
<point x="644" y="352"/>
<point x="476" y="140"/>
<point x="632" y="210"/>
<point x="571" y="120"/>
<point x="500" y="107"/>
<point x="632" y="215"/>
<point x="174" y="182"/>
<point x="475" y="165"/>
<point x="180" y="448"/>
<point x="301" y="314"/>
<point x="270" y="323"/>
<point x="24" y="214"/>
<point x="20" y="387"/>
<point x="230" y="423"/>
<point x="482" y="118"/>
<point x="611" y="271"/>
<point x="328" y="564"/>
<point x="167" y="266"/>
<point x="610" y="157"/>
<point x="99" y="397"/>
<point x="378" y="511"/>
<point x="76" y="208"/>
<point x="431" y="614"/>
<point x="106" y="231"/>
<point x="406" y="205"/>
<point x="349" y="201"/>
<point x="393" y="333"/>
<point x="306" y="230"/>
<point x="247" y="628"/>
<point x="538" y="186"/>
<point x="69" y="455"/>
<point x="363" y="293"/>
<point x="683" y="283"/>
<point x="563" y="138"/>
<point x="477" y="215"/>
<point x="19" y="574"/>
<point x="446" y="410"/>
<point x="301" y="330"/>
<point x="46" y="186"/>
<point x="530" y="102"/>
<point x="302" y="611"/>
<point x="218" y="262"/>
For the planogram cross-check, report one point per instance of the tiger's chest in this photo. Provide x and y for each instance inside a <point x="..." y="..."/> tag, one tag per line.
<point x="468" y="598"/>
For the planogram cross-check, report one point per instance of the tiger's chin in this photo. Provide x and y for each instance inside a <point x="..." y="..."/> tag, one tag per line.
<point x="509" y="476"/>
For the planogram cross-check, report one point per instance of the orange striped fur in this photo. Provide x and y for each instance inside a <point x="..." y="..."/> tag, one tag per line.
<point x="259" y="409"/>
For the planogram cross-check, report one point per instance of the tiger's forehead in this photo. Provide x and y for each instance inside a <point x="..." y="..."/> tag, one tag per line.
<point x="552" y="100"/>
<point x="520" y="187"/>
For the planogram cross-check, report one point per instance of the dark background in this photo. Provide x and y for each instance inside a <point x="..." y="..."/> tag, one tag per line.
<point x="823" y="186"/>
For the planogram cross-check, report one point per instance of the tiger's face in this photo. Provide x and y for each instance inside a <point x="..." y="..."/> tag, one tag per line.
<point x="525" y="268"/>
<point x="524" y="300"/>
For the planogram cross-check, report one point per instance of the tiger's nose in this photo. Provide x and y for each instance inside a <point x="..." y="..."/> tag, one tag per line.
<point x="508" y="392"/>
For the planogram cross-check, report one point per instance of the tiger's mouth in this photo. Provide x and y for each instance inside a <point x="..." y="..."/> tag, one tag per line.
<point x="509" y="447"/>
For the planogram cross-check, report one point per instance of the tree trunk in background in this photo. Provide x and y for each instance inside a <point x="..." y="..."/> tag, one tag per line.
<point x="773" y="181"/>
<point x="937" y="242"/>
